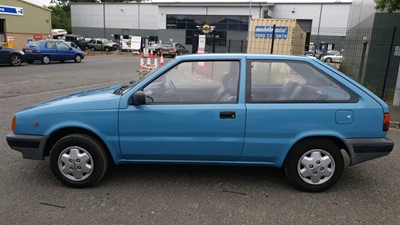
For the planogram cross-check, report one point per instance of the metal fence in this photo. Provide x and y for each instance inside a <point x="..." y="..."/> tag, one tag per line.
<point x="368" y="55"/>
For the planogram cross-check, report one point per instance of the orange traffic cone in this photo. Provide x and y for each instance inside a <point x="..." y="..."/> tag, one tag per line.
<point x="162" y="60"/>
<point x="156" y="60"/>
<point x="149" y="59"/>
<point x="141" y="63"/>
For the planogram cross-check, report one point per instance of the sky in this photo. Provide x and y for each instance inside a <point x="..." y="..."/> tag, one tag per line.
<point x="47" y="2"/>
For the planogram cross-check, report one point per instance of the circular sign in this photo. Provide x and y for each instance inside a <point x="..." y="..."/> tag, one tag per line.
<point x="206" y="29"/>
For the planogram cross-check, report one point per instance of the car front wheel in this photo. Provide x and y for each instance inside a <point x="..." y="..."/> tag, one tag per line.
<point x="46" y="59"/>
<point x="15" y="60"/>
<point x="314" y="165"/>
<point x="78" y="160"/>
<point x="328" y="60"/>
<point x="78" y="58"/>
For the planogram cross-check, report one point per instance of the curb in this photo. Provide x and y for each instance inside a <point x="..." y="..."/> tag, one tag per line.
<point x="394" y="124"/>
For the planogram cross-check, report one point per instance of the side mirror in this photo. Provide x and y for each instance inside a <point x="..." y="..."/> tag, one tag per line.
<point x="70" y="48"/>
<point x="138" y="98"/>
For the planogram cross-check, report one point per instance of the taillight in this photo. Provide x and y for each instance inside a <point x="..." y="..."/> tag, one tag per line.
<point x="386" y="121"/>
<point x="14" y="123"/>
<point x="171" y="49"/>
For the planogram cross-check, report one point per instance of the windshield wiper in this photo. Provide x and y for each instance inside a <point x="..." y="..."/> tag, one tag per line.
<point x="120" y="90"/>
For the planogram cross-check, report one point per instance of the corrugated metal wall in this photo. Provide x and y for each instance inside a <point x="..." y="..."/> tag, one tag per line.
<point x="35" y="19"/>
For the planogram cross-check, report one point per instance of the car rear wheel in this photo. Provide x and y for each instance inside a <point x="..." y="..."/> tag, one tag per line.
<point x="78" y="58"/>
<point x="15" y="60"/>
<point x="328" y="60"/>
<point x="46" y="59"/>
<point x="92" y="49"/>
<point x="78" y="160"/>
<point x="314" y="165"/>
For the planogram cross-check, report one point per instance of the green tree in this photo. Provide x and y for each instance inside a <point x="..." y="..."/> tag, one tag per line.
<point x="389" y="5"/>
<point x="61" y="17"/>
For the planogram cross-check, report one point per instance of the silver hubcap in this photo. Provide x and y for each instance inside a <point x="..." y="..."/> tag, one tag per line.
<point x="316" y="166"/>
<point x="78" y="58"/>
<point x="75" y="163"/>
<point x="46" y="59"/>
<point x="16" y="60"/>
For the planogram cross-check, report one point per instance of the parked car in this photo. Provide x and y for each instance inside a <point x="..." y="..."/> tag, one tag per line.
<point x="102" y="45"/>
<point x="72" y="45"/>
<point x="290" y="112"/>
<point x="317" y="53"/>
<point x="78" y="40"/>
<point x="11" y="56"/>
<point x="172" y="49"/>
<point x="51" y="50"/>
<point x="332" y="56"/>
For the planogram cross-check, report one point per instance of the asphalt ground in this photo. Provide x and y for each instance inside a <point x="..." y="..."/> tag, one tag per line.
<point x="367" y="193"/>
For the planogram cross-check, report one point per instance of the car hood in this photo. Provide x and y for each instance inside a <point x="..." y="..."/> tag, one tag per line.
<point x="95" y="99"/>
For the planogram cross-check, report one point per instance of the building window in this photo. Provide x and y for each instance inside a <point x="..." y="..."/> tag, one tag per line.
<point x="222" y="25"/>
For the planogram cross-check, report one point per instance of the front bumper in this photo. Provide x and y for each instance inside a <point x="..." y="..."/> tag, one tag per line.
<point x="31" y="146"/>
<point x="361" y="150"/>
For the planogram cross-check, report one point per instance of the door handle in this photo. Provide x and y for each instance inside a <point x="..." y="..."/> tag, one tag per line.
<point x="227" y="115"/>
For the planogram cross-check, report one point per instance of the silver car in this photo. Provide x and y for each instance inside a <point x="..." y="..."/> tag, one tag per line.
<point x="332" y="56"/>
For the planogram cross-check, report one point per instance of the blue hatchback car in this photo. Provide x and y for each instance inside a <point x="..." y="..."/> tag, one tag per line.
<point x="51" y="50"/>
<point x="295" y="113"/>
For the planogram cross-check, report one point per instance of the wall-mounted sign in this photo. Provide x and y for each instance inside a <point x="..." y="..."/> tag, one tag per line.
<point x="37" y="36"/>
<point x="11" y="10"/>
<point x="10" y="38"/>
<point x="266" y="32"/>
<point x="202" y="44"/>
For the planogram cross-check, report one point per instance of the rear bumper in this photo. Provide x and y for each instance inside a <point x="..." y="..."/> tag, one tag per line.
<point x="361" y="150"/>
<point x="31" y="146"/>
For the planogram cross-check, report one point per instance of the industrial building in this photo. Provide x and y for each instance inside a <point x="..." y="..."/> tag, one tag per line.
<point x="372" y="50"/>
<point x="179" y="21"/>
<point x="21" y="21"/>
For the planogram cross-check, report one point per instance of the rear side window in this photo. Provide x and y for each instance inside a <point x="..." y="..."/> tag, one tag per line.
<point x="291" y="81"/>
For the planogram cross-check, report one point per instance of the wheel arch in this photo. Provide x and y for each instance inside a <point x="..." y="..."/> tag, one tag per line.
<point x="335" y="140"/>
<point x="62" y="132"/>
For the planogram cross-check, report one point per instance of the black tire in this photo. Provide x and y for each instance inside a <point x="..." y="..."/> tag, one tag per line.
<point x="92" y="49"/>
<point x="86" y="169"/>
<point x="325" y="165"/>
<point x="30" y="61"/>
<point x="63" y="61"/>
<point x="78" y="58"/>
<point x="328" y="60"/>
<point x="107" y="49"/>
<point x="46" y="59"/>
<point x="15" y="60"/>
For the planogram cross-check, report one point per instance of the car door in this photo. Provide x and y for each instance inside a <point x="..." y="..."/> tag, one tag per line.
<point x="50" y="49"/>
<point x="4" y="55"/>
<point x="64" y="51"/>
<point x="192" y="113"/>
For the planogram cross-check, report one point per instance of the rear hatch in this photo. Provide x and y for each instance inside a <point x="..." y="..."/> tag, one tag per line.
<point x="32" y="47"/>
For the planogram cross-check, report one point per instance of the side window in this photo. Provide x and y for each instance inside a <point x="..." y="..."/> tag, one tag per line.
<point x="289" y="81"/>
<point x="207" y="82"/>
<point x="50" y="45"/>
<point x="62" y="46"/>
